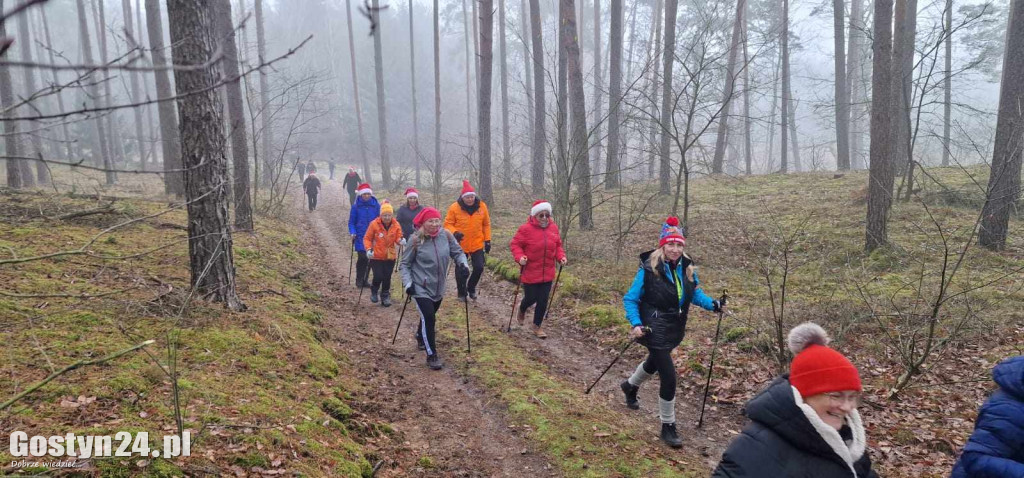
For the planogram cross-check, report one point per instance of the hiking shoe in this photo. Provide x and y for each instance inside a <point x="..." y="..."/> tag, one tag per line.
<point x="434" y="362"/>
<point x="472" y="295"/>
<point x="669" y="435"/>
<point x="373" y="296"/>
<point x="539" y="332"/>
<point x="385" y="300"/>
<point x="420" y="345"/>
<point x="630" y="390"/>
<point x="521" y="318"/>
<point x="462" y="298"/>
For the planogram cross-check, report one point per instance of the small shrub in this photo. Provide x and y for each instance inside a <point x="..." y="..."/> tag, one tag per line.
<point x="736" y="333"/>
<point x="336" y="409"/>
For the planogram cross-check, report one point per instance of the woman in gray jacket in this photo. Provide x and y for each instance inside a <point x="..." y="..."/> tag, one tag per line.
<point x="424" y="270"/>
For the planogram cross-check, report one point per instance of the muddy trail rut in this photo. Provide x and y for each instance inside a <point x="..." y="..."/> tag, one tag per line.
<point x="461" y="428"/>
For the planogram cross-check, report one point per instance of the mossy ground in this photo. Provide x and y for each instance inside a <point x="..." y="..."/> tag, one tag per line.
<point x="259" y="389"/>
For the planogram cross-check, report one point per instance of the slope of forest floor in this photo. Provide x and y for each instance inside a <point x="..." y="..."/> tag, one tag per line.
<point x="262" y="392"/>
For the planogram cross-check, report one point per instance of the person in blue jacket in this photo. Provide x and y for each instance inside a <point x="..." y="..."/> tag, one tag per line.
<point x="658" y="302"/>
<point x="996" y="448"/>
<point x="364" y="210"/>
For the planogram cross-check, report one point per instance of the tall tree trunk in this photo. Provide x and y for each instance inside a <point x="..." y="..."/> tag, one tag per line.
<point x="562" y="178"/>
<point x="415" y="113"/>
<point x="225" y="34"/>
<point x="266" y="132"/>
<point x="671" y="7"/>
<point x="730" y="88"/>
<point x="382" y="115"/>
<point x="93" y="92"/>
<point x="795" y="149"/>
<point x="842" y="93"/>
<point x="68" y="154"/>
<point x="904" y="34"/>
<point x="947" y="83"/>
<point x="437" y="99"/>
<point x="202" y="137"/>
<point x="170" y="144"/>
<point x="470" y="63"/>
<point x="114" y="144"/>
<point x="151" y="123"/>
<point x="855" y="82"/>
<point x="133" y="78"/>
<point x="1004" y="180"/>
<point x="881" y="174"/>
<point x="355" y="93"/>
<point x="655" y="76"/>
<point x="12" y="139"/>
<point x="785" y="87"/>
<point x="483" y="112"/>
<point x="579" y="166"/>
<point x="506" y="148"/>
<point x="747" y="149"/>
<point x="770" y="162"/>
<point x="598" y="88"/>
<point x="539" y="131"/>
<point x="614" y="95"/>
<point x="36" y="151"/>
<point x="527" y="72"/>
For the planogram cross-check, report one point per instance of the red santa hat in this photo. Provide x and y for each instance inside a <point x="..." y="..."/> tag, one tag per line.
<point x="539" y="206"/>
<point x="467" y="189"/>
<point x="425" y="215"/>
<point x="412" y="193"/>
<point x="364" y="189"/>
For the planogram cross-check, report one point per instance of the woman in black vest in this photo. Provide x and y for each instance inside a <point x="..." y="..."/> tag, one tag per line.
<point x="659" y="301"/>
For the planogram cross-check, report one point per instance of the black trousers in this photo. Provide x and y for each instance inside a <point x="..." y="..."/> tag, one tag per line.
<point x="477" y="261"/>
<point x="428" y="321"/>
<point x="332" y="171"/>
<point x="312" y="201"/>
<point x="536" y="294"/>
<point x="351" y="197"/>
<point x="661" y="361"/>
<point x="382" y="276"/>
<point x="362" y="269"/>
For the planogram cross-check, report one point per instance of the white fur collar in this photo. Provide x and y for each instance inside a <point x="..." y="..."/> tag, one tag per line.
<point x="849" y="452"/>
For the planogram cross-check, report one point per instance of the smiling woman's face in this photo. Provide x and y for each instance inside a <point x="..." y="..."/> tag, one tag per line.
<point x="833" y="407"/>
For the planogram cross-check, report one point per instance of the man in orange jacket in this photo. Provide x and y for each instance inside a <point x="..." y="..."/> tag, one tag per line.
<point x="381" y="242"/>
<point x="470" y="222"/>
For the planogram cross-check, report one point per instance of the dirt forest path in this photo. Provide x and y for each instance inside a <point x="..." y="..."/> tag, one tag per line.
<point x="449" y="417"/>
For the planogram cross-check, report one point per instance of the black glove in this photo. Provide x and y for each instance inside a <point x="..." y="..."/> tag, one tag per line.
<point x="717" y="306"/>
<point x="462" y="269"/>
<point x="458" y="236"/>
<point x="409" y="290"/>
<point x="487" y="247"/>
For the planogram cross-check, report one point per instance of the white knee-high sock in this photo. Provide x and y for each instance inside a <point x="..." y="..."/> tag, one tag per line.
<point x="667" y="410"/>
<point x="639" y="376"/>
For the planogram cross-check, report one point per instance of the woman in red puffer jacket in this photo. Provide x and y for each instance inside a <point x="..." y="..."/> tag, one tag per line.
<point x="537" y="247"/>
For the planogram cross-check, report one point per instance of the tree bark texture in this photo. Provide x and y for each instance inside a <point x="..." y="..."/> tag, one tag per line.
<point x="579" y="165"/>
<point x="784" y="156"/>
<point x="881" y="174"/>
<point x="598" y="89"/>
<point x="539" y="131"/>
<point x="12" y="140"/>
<point x="947" y="82"/>
<point x="486" y="63"/>
<point x="93" y="91"/>
<point x="266" y="128"/>
<point x="202" y="137"/>
<point x="133" y="79"/>
<point x="524" y="19"/>
<point x="506" y="148"/>
<point x="664" y="183"/>
<point x="856" y="82"/>
<point x="614" y="96"/>
<point x="36" y="142"/>
<point x="412" y="82"/>
<point x="842" y="93"/>
<point x="225" y="34"/>
<point x="170" y="142"/>
<point x="382" y="114"/>
<point x="659" y="9"/>
<point x="437" y="99"/>
<point x="355" y="94"/>
<point x="114" y="144"/>
<point x="730" y="88"/>
<point x="747" y="149"/>
<point x="904" y="33"/>
<point x="470" y="62"/>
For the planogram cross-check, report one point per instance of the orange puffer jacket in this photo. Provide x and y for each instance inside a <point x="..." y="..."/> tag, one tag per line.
<point x="383" y="240"/>
<point x="475" y="228"/>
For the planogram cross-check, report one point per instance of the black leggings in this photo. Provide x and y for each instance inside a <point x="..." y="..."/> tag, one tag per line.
<point x="536" y="294"/>
<point x="428" y="319"/>
<point x="382" y="276"/>
<point x="362" y="268"/>
<point x="477" y="259"/>
<point x="312" y="201"/>
<point x="661" y="361"/>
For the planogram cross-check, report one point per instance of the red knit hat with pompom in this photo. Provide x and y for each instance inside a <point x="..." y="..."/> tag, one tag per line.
<point x="816" y="367"/>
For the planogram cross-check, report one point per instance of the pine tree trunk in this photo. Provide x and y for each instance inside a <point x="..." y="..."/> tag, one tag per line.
<point x="470" y="61"/>
<point x="170" y="144"/>
<point x="562" y="180"/>
<point x="486" y="69"/>
<point x="842" y="93"/>
<point x="598" y="89"/>
<point x="412" y="81"/>
<point x="382" y="115"/>
<point x="881" y="174"/>
<point x="904" y="33"/>
<point x="202" y="137"/>
<point x="225" y="34"/>
<point x="1004" y="179"/>
<point x="730" y="88"/>
<point x="785" y="87"/>
<point x="12" y="139"/>
<point x="437" y="99"/>
<point x="655" y="76"/>
<point x="355" y="94"/>
<point x="150" y="122"/>
<point x="67" y="154"/>
<point x="770" y="162"/>
<point x="506" y="148"/>
<point x="133" y="79"/>
<point x="114" y="144"/>
<point x="855" y="82"/>
<point x="266" y="127"/>
<point x="527" y="73"/>
<point x="93" y="92"/>
<point x="747" y="148"/>
<point x="664" y="184"/>
<point x="579" y="163"/>
<point x="539" y="131"/>
<point x="947" y="83"/>
<point x="795" y="149"/>
<point x="29" y="86"/>
<point x="614" y="96"/>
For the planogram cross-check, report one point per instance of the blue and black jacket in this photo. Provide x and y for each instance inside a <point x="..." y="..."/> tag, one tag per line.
<point x="662" y="301"/>
<point x="996" y="448"/>
<point x="360" y="217"/>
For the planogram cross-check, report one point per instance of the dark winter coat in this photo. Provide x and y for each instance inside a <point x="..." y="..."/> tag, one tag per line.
<point x="363" y="212"/>
<point x="311" y="185"/>
<point x="653" y="301"/>
<point x="786" y="439"/>
<point x="405" y="215"/>
<point x="351" y="182"/>
<point x="996" y="448"/>
<point x="542" y="247"/>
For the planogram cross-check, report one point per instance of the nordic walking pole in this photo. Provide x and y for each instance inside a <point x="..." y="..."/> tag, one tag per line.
<point x="469" y="346"/>
<point x="399" y="261"/>
<point x="711" y="367"/>
<point x="553" y="290"/>
<point x="365" y="276"/>
<point x="646" y="330"/>
<point x="514" y="297"/>
<point x="400" y="316"/>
